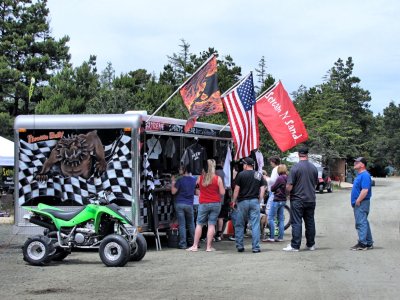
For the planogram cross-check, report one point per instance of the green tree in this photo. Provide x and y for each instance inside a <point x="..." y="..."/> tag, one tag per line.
<point x="107" y="77"/>
<point x="70" y="90"/>
<point x="340" y="77"/>
<point x="27" y="50"/>
<point x="181" y="62"/>
<point x="336" y="113"/>
<point x="6" y="126"/>
<point x="391" y="128"/>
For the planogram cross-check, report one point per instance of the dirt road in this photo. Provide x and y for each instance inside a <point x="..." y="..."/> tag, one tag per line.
<point x="330" y="272"/>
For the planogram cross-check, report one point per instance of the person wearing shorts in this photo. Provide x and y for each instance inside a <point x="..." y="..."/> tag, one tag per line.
<point x="211" y="190"/>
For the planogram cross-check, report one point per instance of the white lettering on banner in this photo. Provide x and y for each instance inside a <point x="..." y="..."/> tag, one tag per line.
<point x="275" y="104"/>
<point x="285" y="115"/>
<point x="290" y="125"/>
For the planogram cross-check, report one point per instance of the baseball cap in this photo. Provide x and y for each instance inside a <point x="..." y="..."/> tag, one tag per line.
<point x="303" y="150"/>
<point x="361" y="159"/>
<point x="248" y="161"/>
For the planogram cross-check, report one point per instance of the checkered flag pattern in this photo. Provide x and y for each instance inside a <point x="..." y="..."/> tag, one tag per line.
<point x="147" y="180"/>
<point x="117" y="178"/>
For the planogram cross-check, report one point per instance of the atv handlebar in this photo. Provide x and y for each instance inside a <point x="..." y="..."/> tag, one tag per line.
<point x="99" y="198"/>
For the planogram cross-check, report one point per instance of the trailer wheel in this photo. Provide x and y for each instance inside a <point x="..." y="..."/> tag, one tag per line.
<point x="38" y="250"/>
<point x="114" y="250"/>
<point x="139" y="252"/>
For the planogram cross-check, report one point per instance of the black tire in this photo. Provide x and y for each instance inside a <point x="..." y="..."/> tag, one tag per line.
<point x="287" y="216"/>
<point x="38" y="250"/>
<point x="140" y="250"/>
<point x="114" y="250"/>
<point x="60" y="254"/>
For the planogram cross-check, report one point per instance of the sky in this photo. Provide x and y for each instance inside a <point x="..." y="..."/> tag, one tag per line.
<point x="299" y="39"/>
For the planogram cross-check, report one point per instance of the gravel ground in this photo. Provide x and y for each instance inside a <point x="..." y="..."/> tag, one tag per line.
<point x="330" y="272"/>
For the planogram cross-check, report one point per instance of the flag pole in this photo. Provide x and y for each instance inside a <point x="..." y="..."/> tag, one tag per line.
<point x="268" y="90"/>
<point x="177" y="90"/>
<point x="230" y="89"/>
<point x="235" y="85"/>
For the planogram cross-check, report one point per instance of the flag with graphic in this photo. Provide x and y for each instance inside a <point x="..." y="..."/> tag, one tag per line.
<point x="201" y="94"/>
<point x="242" y="114"/>
<point x="278" y="114"/>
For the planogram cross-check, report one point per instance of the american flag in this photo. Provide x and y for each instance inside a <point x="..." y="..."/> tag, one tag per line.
<point x="242" y="114"/>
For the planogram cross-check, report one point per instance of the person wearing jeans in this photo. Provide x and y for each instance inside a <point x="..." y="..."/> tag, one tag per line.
<point x="248" y="208"/>
<point x="184" y="189"/>
<point x="302" y="210"/>
<point x="278" y="205"/>
<point x="301" y="183"/>
<point x="360" y="201"/>
<point x="249" y="192"/>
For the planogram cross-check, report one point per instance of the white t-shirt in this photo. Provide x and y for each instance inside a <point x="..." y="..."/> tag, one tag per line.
<point x="273" y="178"/>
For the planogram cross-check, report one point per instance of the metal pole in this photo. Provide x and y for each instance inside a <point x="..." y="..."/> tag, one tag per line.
<point x="174" y="93"/>
<point x="235" y="85"/>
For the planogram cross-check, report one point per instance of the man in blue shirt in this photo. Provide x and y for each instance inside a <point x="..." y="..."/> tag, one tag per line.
<point x="360" y="201"/>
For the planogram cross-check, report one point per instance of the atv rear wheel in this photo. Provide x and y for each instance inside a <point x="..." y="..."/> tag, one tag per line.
<point x="114" y="250"/>
<point x="38" y="250"/>
<point x="60" y="254"/>
<point x="141" y="247"/>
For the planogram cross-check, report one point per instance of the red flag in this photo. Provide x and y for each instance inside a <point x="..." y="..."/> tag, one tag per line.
<point x="242" y="114"/>
<point x="277" y="112"/>
<point x="201" y="94"/>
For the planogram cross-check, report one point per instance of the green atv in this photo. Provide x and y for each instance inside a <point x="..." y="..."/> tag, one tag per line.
<point x="101" y="225"/>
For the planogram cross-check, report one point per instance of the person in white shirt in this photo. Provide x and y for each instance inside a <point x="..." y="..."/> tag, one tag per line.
<point x="274" y="162"/>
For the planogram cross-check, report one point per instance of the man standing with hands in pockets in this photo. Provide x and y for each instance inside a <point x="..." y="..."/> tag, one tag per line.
<point x="360" y="200"/>
<point x="249" y="192"/>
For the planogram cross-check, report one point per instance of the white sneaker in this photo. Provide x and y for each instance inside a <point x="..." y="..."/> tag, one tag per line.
<point x="312" y="248"/>
<point x="289" y="248"/>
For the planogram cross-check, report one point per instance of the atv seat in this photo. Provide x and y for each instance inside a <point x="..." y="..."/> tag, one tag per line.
<point x="64" y="215"/>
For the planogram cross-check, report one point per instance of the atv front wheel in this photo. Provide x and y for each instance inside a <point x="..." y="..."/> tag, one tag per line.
<point x="114" y="250"/>
<point x="38" y="250"/>
<point x="141" y="247"/>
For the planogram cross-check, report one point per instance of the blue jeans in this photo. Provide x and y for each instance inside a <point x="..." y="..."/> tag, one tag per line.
<point x="185" y="219"/>
<point x="250" y="209"/>
<point x="362" y="225"/>
<point x="299" y="211"/>
<point x="276" y="210"/>
<point x="234" y="217"/>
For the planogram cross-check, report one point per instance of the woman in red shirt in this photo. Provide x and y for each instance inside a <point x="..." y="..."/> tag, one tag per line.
<point x="211" y="190"/>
